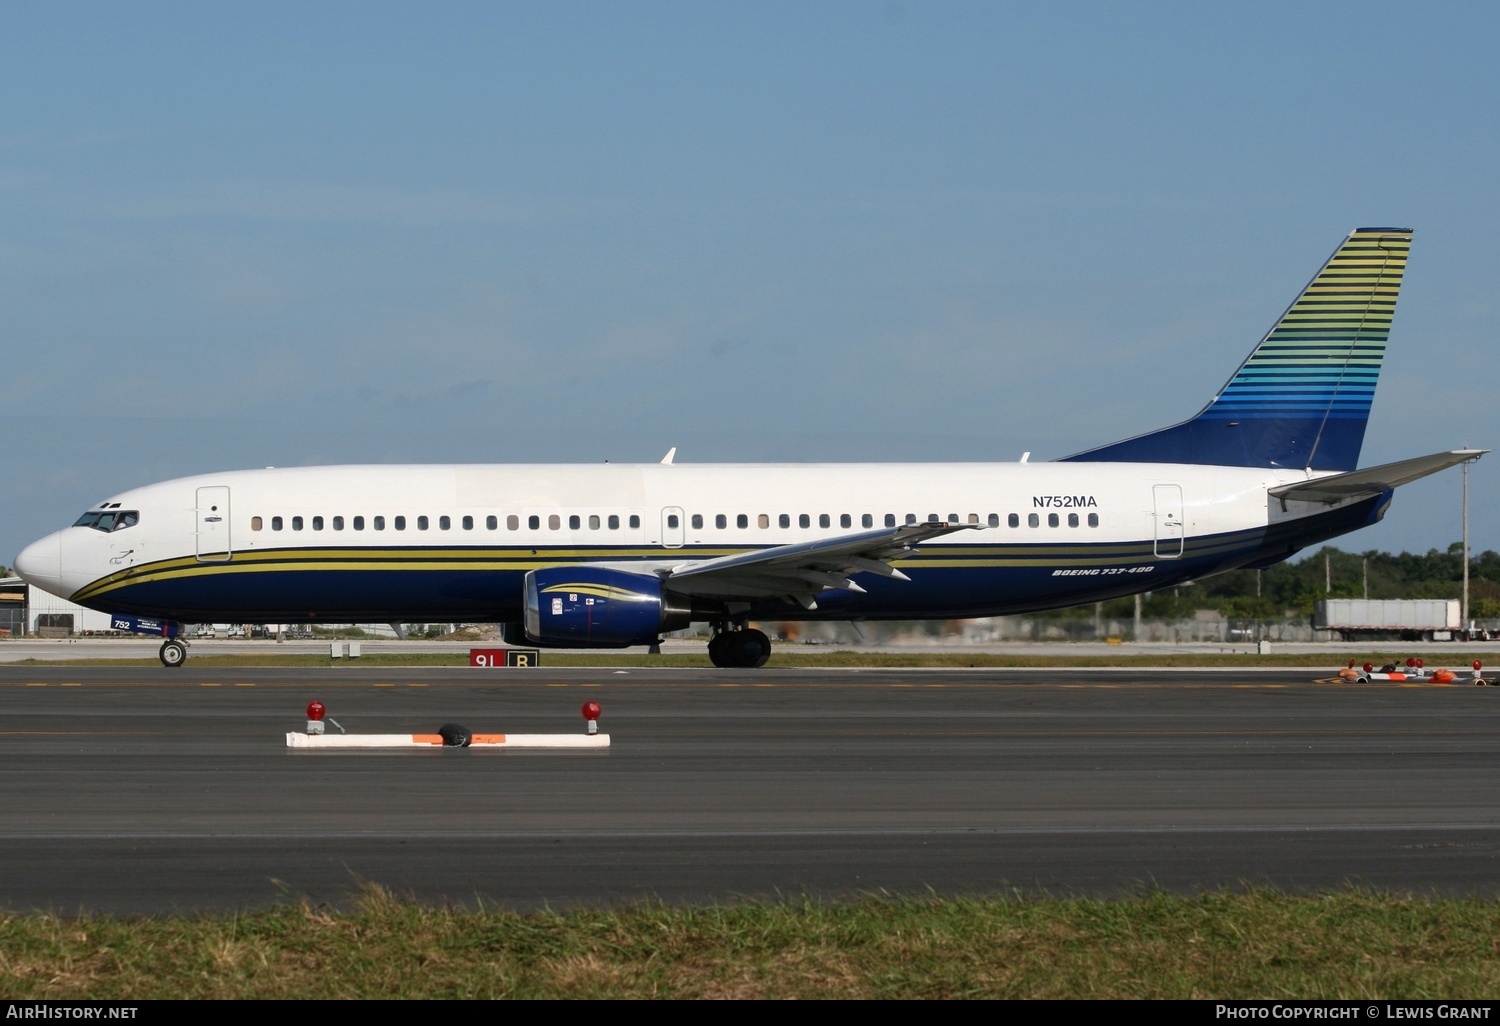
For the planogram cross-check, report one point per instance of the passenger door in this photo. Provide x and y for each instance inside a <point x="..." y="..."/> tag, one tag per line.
<point x="1170" y="528"/>
<point x="212" y="518"/>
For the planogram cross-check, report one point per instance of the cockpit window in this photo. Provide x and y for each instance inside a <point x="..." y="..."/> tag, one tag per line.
<point x="109" y="519"/>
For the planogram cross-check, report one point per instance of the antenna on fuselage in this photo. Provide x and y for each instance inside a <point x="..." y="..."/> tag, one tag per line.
<point x="1025" y="455"/>
<point x="671" y="454"/>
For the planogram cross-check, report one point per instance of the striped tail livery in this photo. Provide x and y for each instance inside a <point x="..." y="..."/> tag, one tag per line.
<point x="1302" y="398"/>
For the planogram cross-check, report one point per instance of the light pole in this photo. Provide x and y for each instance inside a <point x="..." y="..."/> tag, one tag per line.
<point x="1463" y="616"/>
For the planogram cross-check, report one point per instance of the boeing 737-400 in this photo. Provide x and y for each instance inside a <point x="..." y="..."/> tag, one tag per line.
<point x="614" y="555"/>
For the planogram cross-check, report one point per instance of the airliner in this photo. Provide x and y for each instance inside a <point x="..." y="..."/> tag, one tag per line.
<point x="614" y="555"/>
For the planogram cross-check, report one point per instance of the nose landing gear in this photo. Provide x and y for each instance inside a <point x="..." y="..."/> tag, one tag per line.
<point x="173" y="649"/>
<point x="173" y="652"/>
<point x="745" y="648"/>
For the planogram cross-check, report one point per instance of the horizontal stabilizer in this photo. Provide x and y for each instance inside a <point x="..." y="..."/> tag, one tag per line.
<point x="1374" y="480"/>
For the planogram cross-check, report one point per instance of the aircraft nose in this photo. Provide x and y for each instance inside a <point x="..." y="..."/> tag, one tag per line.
<point x="40" y="564"/>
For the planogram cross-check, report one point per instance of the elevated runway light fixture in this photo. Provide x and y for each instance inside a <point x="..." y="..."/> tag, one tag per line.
<point x="315" y="712"/>
<point x="591" y="713"/>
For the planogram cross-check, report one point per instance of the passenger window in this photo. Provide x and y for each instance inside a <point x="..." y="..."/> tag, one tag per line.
<point x="534" y="523"/>
<point x="742" y="520"/>
<point x="785" y="520"/>
<point x="399" y="523"/>
<point x="275" y="523"/>
<point x="359" y="523"/>
<point x="338" y="523"/>
<point x="994" y="519"/>
<point x="593" y="521"/>
<point x="378" y="523"/>
<point x="890" y="520"/>
<point x="635" y="521"/>
<point x="803" y="520"/>
<point x="554" y="522"/>
<point x="764" y="520"/>
<point x="933" y="518"/>
<point x="953" y="518"/>
<point x="317" y="523"/>
<point x="1093" y="520"/>
<point x="672" y="520"/>
<point x="973" y="518"/>
<point x="1051" y="519"/>
<point x="255" y="523"/>
<point x="845" y="520"/>
<point x="574" y="523"/>
<point x="867" y="520"/>
<point x="1014" y="520"/>
<point x="697" y="521"/>
<point x="1032" y="520"/>
<point x="468" y="523"/>
<point x="421" y="523"/>
<point x="721" y="521"/>
<point x="1072" y="519"/>
<point x="512" y="523"/>
<point x="445" y="522"/>
<point x="296" y="523"/>
<point x="911" y="518"/>
<point x="613" y="522"/>
<point x="491" y="523"/>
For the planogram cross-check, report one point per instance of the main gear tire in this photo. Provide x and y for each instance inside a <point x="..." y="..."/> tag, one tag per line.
<point x="741" y="649"/>
<point x="718" y="651"/>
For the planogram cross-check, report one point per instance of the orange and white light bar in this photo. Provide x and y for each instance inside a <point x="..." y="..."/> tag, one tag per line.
<point x="1413" y="673"/>
<point x="300" y="740"/>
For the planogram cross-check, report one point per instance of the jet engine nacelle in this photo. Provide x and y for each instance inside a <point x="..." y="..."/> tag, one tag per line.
<point x="591" y="607"/>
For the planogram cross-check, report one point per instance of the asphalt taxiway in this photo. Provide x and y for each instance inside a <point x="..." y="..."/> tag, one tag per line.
<point x="151" y="791"/>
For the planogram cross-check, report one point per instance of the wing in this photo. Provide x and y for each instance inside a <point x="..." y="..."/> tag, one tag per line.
<point x="1372" y="481"/>
<point x="799" y="572"/>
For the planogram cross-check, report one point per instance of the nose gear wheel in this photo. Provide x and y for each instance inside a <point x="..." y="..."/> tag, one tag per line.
<point x="172" y="653"/>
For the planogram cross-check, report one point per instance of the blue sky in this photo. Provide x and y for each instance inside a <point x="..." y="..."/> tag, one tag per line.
<point x="290" y="233"/>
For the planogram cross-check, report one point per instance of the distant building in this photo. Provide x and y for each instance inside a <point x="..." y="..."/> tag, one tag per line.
<point x="28" y="610"/>
<point x="12" y="607"/>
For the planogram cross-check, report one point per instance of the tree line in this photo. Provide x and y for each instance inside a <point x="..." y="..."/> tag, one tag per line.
<point x="1290" y="589"/>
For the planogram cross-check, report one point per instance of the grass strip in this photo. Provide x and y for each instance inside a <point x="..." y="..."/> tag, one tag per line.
<point x="788" y="657"/>
<point x="1252" y="944"/>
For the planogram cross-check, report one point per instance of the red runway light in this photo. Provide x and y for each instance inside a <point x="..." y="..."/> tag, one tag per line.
<point x="315" y="710"/>
<point x="591" y="710"/>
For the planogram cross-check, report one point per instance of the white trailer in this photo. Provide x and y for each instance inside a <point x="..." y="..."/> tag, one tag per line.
<point x="1390" y="619"/>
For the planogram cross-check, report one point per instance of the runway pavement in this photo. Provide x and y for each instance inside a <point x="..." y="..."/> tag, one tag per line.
<point x="148" y="791"/>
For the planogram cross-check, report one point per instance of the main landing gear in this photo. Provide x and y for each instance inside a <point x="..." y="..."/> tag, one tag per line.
<point x="173" y="652"/>
<point x="742" y="647"/>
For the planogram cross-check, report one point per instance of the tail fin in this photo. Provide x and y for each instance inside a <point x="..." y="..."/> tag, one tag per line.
<point x="1302" y="399"/>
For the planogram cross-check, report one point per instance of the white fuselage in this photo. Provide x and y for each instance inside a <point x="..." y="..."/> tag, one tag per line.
<point x="334" y="543"/>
